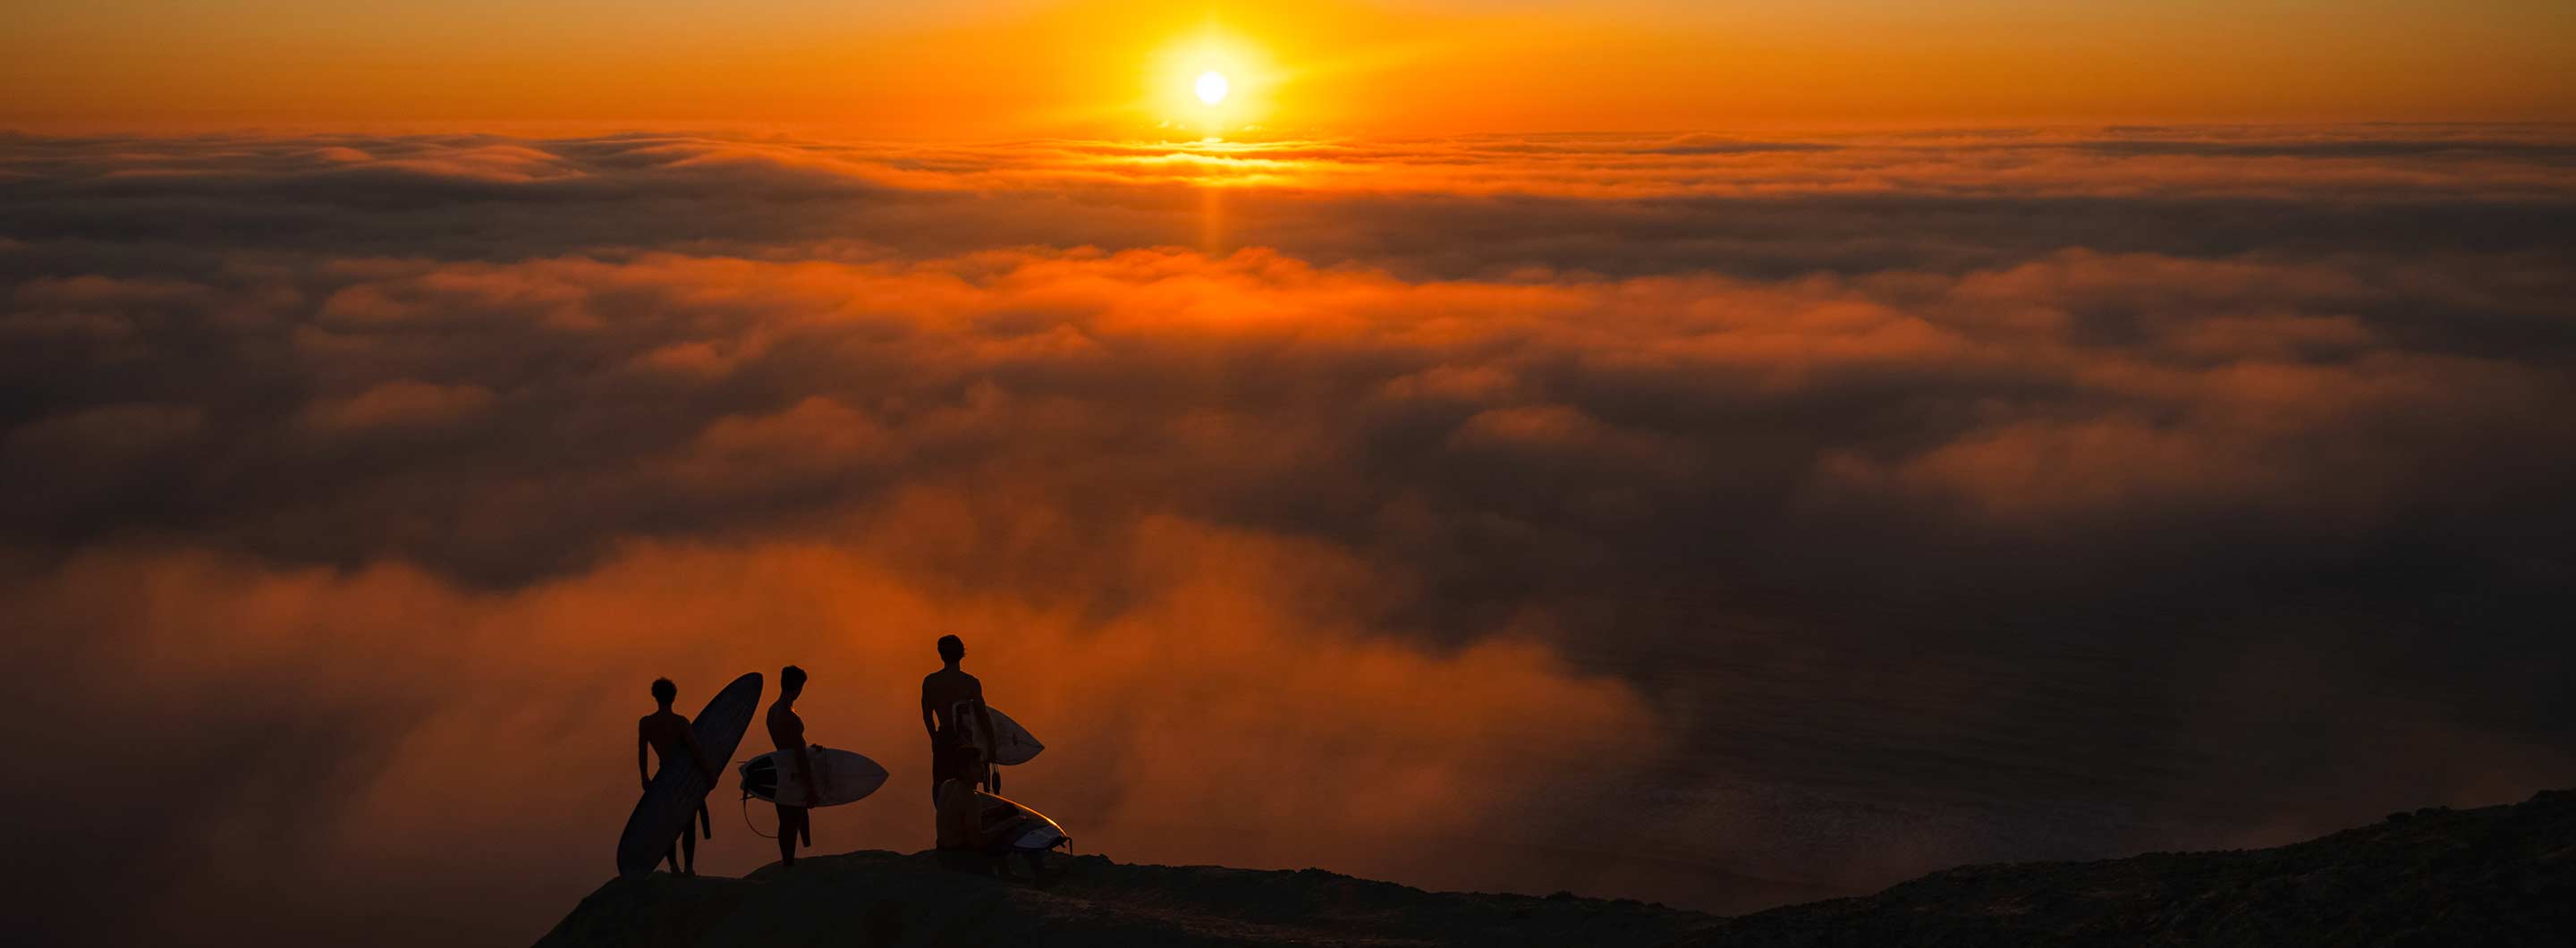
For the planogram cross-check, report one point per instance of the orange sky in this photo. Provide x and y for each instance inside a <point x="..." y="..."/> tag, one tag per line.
<point x="996" y="68"/>
<point x="1717" y="517"/>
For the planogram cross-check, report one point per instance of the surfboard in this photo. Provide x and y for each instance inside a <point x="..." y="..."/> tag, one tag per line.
<point x="1019" y="827"/>
<point x="1012" y="743"/>
<point x="849" y="777"/>
<point x="679" y="789"/>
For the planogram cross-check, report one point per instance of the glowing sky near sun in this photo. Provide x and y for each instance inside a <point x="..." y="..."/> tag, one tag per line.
<point x="1005" y="67"/>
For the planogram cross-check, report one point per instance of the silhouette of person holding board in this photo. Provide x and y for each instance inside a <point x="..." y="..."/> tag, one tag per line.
<point x="941" y="691"/>
<point x="669" y="734"/>
<point x="787" y="731"/>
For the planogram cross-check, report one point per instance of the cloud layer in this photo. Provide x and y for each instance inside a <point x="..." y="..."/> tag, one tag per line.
<point x="1798" y="515"/>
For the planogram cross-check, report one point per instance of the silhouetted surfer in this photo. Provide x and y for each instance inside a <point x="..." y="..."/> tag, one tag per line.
<point x="671" y="738"/>
<point x="787" y="731"/>
<point x="977" y="829"/>
<point x="962" y="835"/>
<point x="940" y="692"/>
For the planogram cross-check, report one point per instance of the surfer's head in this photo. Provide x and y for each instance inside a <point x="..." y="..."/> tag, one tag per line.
<point x="952" y="649"/>
<point x="791" y="680"/>
<point x="664" y="691"/>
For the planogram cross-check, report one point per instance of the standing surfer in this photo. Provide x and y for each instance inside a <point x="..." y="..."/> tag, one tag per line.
<point x="941" y="692"/>
<point x="671" y="738"/>
<point x="787" y="731"/>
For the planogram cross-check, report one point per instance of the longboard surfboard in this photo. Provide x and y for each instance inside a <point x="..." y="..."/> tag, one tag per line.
<point x="679" y="789"/>
<point x="848" y="777"/>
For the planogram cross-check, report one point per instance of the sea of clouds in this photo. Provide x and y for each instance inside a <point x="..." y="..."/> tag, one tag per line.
<point x="1712" y="519"/>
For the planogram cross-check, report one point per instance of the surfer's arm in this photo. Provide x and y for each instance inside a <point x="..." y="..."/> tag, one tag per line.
<point x="984" y="724"/>
<point x="929" y="718"/>
<point x="642" y="775"/>
<point x="805" y="768"/>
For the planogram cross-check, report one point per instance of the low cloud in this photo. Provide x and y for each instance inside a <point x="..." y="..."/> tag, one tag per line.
<point x="1820" y="511"/>
<point x="342" y="729"/>
<point x="399" y="404"/>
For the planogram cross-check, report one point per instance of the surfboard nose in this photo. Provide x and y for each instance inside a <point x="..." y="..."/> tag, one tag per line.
<point x="759" y="777"/>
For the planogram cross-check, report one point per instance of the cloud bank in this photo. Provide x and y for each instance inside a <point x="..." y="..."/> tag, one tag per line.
<point x="1703" y="519"/>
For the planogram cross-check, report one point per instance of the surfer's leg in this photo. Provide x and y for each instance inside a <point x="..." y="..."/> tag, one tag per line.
<point x="688" y="852"/>
<point x="788" y="818"/>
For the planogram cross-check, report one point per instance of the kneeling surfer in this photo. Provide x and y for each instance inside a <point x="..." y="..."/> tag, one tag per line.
<point x="966" y="840"/>
<point x="961" y="815"/>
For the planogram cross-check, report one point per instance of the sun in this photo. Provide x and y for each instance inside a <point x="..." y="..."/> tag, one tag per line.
<point x="1212" y="83"/>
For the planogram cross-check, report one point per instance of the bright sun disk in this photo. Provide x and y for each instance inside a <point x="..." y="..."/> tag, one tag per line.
<point x="1212" y="87"/>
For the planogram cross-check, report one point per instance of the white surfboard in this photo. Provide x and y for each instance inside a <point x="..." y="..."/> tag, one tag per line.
<point x="847" y="777"/>
<point x="1011" y="742"/>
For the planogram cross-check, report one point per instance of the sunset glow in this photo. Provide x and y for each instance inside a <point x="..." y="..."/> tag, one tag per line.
<point x="985" y="69"/>
<point x="1716" y="454"/>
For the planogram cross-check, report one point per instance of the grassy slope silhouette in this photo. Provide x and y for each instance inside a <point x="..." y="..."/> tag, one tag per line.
<point x="2501" y="875"/>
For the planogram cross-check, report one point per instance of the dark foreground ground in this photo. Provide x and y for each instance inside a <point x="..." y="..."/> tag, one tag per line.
<point x="2494" y="876"/>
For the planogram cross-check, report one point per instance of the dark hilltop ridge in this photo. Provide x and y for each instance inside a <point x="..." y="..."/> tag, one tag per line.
<point x="2502" y="875"/>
